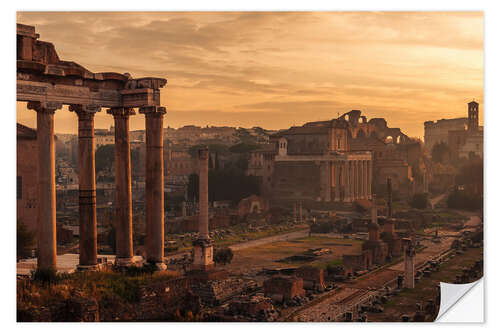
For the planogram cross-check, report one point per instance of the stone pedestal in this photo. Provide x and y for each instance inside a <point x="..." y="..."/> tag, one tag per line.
<point x="123" y="189"/>
<point x="87" y="187"/>
<point x="47" y="248"/>
<point x="155" y="227"/>
<point x="203" y="255"/>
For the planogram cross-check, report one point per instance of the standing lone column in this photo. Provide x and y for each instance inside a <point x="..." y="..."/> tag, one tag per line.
<point x="203" y="193"/>
<point x="86" y="185"/>
<point x="46" y="223"/>
<point x="203" y="247"/>
<point x="123" y="189"/>
<point x="409" y="278"/>
<point x="155" y="227"/>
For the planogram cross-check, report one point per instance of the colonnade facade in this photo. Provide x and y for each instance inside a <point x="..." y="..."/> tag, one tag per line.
<point x="346" y="180"/>
<point x="47" y="83"/>
<point x="87" y="185"/>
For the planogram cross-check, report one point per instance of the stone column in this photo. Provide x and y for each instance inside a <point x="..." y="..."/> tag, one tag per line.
<point x="409" y="277"/>
<point x="203" y="247"/>
<point x="347" y="169"/>
<point x="370" y="173"/>
<point x="356" y="180"/>
<point x="360" y="179"/>
<point x="364" y="180"/>
<point x="155" y="226"/>
<point x="46" y="224"/>
<point x="203" y="193"/>
<point x="337" y="178"/>
<point x="123" y="189"/>
<point x="86" y="185"/>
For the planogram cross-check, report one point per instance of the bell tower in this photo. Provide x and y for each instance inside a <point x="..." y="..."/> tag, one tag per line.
<point x="473" y="116"/>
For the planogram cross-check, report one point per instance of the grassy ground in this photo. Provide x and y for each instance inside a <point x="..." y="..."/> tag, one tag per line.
<point x="101" y="286"/>
<point x="242" y="234"/>
<point x="267" y="256"/>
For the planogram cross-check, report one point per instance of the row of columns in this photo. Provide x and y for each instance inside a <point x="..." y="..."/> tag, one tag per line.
<point x="47" y="247"/>
<point x="349" y="180"/>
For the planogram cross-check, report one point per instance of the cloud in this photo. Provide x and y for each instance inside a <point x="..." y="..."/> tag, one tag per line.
<point x="406" y="65"/>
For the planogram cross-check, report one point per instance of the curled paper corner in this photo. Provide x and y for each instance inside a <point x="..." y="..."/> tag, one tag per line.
<point x="454" y="298"/>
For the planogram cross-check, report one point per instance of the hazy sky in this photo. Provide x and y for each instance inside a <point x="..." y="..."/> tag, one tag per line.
<point x="279" y="69"/>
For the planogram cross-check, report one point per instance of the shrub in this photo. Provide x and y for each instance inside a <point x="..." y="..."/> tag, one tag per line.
<point x="45" y="275"/>
<point x="419" y="201"/>
<point x="223" y="256"/>
<point x="463" y="200"/>
<point x="322" y="227"/>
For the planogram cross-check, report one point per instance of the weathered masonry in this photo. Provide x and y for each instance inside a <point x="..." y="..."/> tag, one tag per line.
<point x="47" y="83"/>
<point x="314" y="162"/>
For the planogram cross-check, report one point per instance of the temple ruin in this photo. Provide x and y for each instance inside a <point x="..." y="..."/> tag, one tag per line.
<point x="47" y="83"/>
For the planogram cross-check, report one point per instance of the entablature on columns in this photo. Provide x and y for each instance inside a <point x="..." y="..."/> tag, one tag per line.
<point x="43" y="77"/>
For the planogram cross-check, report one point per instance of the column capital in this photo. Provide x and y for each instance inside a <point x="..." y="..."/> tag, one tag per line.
<point x="203" y="153"/>
<point x="121" y="111"/>
<point x="47" y="107"/>
<point x="85" y="109"/>
<point x="152" y="110"/>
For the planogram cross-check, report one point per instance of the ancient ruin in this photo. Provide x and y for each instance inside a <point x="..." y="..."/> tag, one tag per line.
<point x="47" y="83"/>
<point x="409" y="277"/>
<point x="313" y="162"/>
<point x="203" y="248"/>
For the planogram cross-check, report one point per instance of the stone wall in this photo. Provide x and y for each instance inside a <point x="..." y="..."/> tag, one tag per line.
<point x="313" y="277"/>
<point x="27" y="177"/>
<point x="286" y="287"/>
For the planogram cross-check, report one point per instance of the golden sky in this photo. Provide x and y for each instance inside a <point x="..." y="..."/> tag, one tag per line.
<point x="278" y="69"/>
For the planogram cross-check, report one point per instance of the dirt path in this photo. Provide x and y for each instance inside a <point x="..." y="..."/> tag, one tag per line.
<point x="272" y="239"/>
<point x="437" y="199"/>
<point x="255" y="242"/>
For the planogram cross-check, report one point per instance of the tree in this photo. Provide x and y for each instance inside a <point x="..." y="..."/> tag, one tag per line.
<point x="111" y="237"/>
<point x="243" y="147"/>
<point x="440" y="152"/>
<point x="223" y="256"/>
<point x="104" y="157"/>
<point x="471" y="175"/>
<point x="225" y="184"/>
<point x="25" y="241"/>
<point x="464" y="200"/>
<point x="419" y="201"/>
<point x="193" y="187"/>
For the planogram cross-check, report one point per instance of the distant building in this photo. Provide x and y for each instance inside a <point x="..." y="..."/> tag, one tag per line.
<point x="27" y="177"/>
<point x="104" y="137"/>
<point x="463" y="136"/>
<point x="178" y="163"/>
<point x="296" y="162"/>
